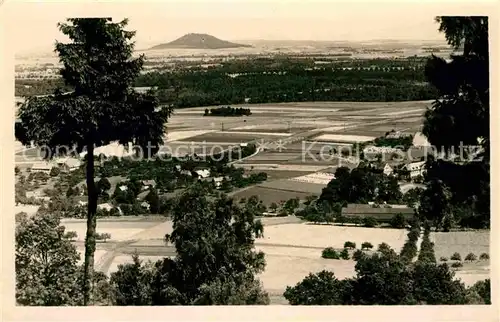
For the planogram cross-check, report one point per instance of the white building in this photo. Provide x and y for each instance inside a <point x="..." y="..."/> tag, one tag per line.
<point x="388" y="170"/>
<point x="42" y="166"/>
<point x="69" y="164"/>
<point x="205" y="173"/>
<point x="416" y="168"/>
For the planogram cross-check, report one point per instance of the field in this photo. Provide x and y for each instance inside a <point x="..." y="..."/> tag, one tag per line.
<point x="292" y="248"/>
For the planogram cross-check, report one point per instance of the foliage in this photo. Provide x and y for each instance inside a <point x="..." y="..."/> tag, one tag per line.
<point x="435" y="203"/>
<point x="131" y="283"/>
<point x="459" y="118"/>
<point x="344" y="254"/>
<point x="456" y="264"/>
<point x="46" y="262"/>
<point x="242" y="289"/>
<point x="228" y="111"/>
<point x="103" y="236"/>
<point x="483" y="289"/>
<point x="70" y="235"/>
<point x="484" y="256"/>
<point x="366" y="245"/>
<point x="330" y="253"/>
<point x="443" y="259"/>
<point x="322" y="288"/>
<point x="426" y="254"/>
<point x="153" y="200"/>
<point x="381" y="279"/>
<point x="470" y="257"/>
<point x="350" y="244"/>
<point x="369" y="222"/>
<point x="456" y="257"/>
<point x="398" y="221"/>
<point x="361" y="185"/>
<point x="102" y="108"/>
<point x="55" y="171"/>
<point x="214" y="242"/>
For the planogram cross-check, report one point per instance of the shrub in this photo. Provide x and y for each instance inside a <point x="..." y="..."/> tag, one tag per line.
<point x="55" y="171"/>
<point x="350" y="244"/>
<point x="330" y="253"/>
<point x="457" y="265"/>
<point x="369" y="222"/>
<point x="398" y="221"/>
<point x="484" y="256"/>
<point x="470" y="257"/>
<point x="358" y="254"/>
<point x="384" y="247"/>
<point x="356" y="220"/>
<point x="344" y="254"/>
<point x="443" y="259"/>
<point x="456" y="257"/>
<point x="366" y="245"/>
<point x="103" y="236"/>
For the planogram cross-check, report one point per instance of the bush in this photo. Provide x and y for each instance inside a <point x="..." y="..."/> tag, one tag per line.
<point x="55" y="171"/>
<point x="358" y="254"/>
<point x="330" y="253"/>
<point x="384" y="247"/>
<point x="344" y="254"/>
<point x="398" y="221"/>
<point x="443" y="259"/>
<point x="356" y="220"/>
<point x="484" y="256"/>
<point x="103" y="236"/>
<point x="366" y="245"/>
<point x="350" y="244"/>
<point x="470" y="257"/>
<point x="457" y="265"/>
<point x="456" y="257"/>
<point x="369" y="222"/>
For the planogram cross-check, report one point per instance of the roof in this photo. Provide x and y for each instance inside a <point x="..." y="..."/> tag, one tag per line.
<point x="364" y="209"/>
<point x="42" y="166"/>
<point x="149" y="182"/>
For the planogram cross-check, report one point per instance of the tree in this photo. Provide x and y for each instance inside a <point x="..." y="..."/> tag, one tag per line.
<point x="273" y="207"/>
<point x="103" y="185"/>
<point x="70" y="235"/>
<point x="435" y="202"/>
<point x="214" y="245"/>
<point x="154" y="201"/>
<point x="398" y="221"/>
<point x="322" y="288"/>
<point x="102" y="108"/>
<point x="55" y="171"/>
<point x="131" y="283"/>
<point x="460" y="115"/>
<point x="46" y="262"/>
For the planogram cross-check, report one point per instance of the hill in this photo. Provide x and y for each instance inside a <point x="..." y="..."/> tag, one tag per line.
<point x="198" y="41"/>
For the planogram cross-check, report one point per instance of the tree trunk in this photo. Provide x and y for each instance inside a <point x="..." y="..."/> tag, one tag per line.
<point x="91" y="227"/>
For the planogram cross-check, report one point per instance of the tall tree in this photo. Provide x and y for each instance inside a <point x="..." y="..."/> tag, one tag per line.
<point x="102" y="108"/>
<point x="46" y="262"/>
<point x="460" y="115"/>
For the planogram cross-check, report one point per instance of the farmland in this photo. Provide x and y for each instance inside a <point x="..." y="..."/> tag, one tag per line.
<point x="292" y="248"/>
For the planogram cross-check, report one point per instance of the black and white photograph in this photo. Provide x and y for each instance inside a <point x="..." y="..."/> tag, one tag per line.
<point x="250" y="154"/>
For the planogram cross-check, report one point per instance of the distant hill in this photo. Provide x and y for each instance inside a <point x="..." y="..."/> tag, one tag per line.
<point x="198" y="41"/>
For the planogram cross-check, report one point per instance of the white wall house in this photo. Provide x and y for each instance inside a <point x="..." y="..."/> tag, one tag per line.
<point x="43" y="166"/>
<point x="388" y="170"/>
<point x="416" y="168"/>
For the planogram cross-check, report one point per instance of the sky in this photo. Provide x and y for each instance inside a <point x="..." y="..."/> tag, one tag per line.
<point x="35" y="23"/>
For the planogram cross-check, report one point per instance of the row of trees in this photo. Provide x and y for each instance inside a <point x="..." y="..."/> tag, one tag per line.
<point x="227" y="111"/>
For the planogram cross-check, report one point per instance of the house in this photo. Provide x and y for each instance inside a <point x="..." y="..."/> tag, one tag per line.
<point x="388" y="170"/>
<point x="68" y="164"/>
<point x="218" y="181"/>
<point x="383" y="213"/>
<point x="415" y="168"/>
<point x="44" y="167"/>
<point x="105" y="206"/>
<point x="145" y="205"/>
<point x="123" y="188"/>
<point x="420" y="140"/>
<point x="146" y="184"/>
<point x="203" y="173"/>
